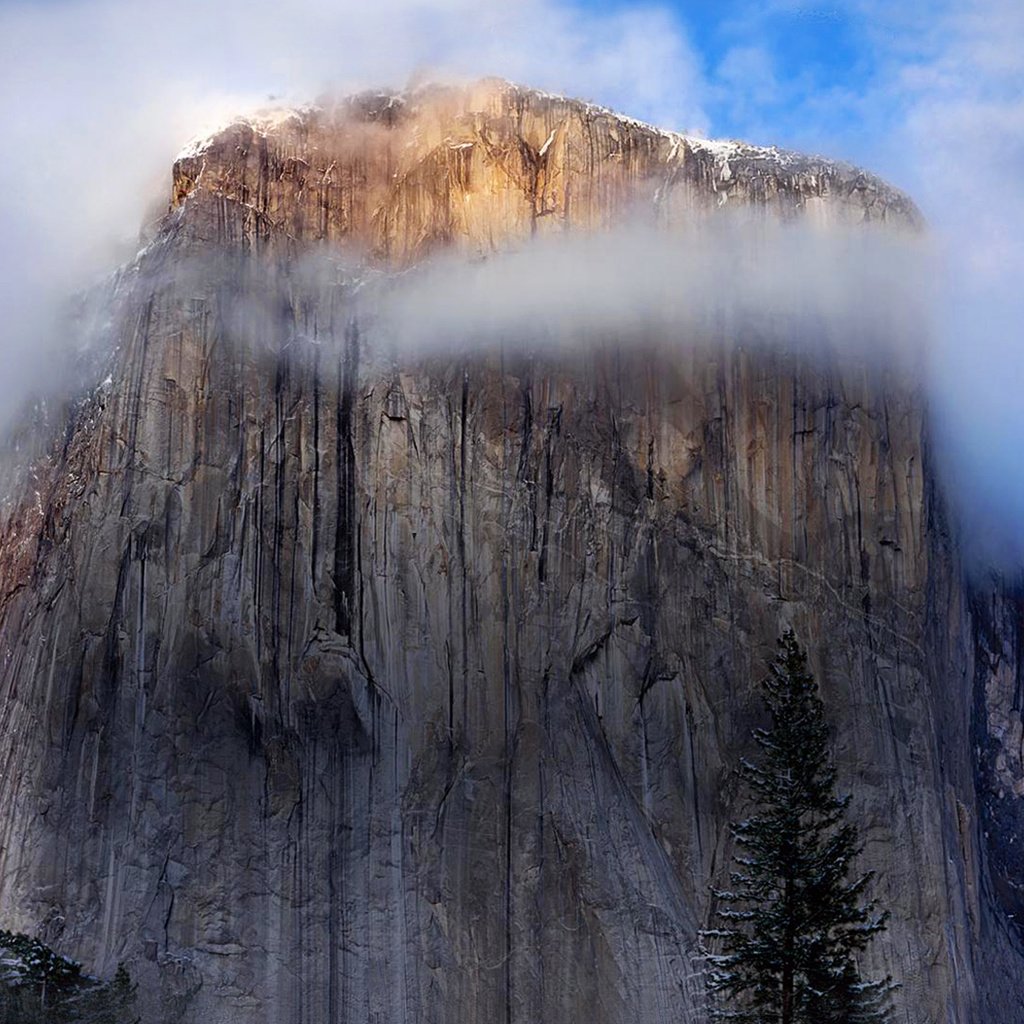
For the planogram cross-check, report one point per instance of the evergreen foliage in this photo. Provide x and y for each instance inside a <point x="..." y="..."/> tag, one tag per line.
<point x="38" y="986"/>
<point x="791" y="922"/>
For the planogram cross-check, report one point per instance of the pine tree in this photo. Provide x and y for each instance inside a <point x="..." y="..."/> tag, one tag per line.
<point x="39" y="986"/>
<point x="791" y="922"/>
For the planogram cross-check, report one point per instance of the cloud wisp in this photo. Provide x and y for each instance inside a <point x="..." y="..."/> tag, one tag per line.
<point x="853" y="292"/>
<point x="98" y="95"/>
<point x="965" y="125"/>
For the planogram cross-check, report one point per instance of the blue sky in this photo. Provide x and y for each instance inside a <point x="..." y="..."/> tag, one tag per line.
<point x="774" y="51"/>
<point x="801" y="75"/>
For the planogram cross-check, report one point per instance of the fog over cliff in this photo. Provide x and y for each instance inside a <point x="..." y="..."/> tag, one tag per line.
<point x="98" y="94"/>
<point x="851" y="291"/>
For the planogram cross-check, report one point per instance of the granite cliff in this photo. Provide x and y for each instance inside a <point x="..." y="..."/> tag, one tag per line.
<point x="337" y="687"/>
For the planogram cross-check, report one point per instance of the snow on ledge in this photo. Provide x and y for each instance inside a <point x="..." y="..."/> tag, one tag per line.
<point x="263" y="122"/>
<point x="722" y="151"/>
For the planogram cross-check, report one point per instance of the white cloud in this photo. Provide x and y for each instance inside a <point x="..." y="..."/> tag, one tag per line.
<point x="98" y="95"/>
<point x="963" y="146"/>
<point x="746" y="82"/>
<point x="730" y="278"/>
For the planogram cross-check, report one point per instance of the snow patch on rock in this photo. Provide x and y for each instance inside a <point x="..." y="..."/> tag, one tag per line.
<point x="263" y="122"/>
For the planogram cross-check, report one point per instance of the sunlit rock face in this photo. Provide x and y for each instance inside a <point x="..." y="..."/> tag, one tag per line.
<point x="481" y="167"/>
<point x="339" y="686"/>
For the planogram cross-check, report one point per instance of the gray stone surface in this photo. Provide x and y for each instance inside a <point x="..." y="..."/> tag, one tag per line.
<point x="340" y="690"/>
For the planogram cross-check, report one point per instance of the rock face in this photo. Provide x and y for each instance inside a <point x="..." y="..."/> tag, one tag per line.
<point x="341" y="689"/>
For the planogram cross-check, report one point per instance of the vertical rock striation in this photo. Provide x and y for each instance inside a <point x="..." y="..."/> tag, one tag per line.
<point x="341" y="688"/>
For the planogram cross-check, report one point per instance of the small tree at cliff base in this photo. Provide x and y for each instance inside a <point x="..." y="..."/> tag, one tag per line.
<point x="39" y="986"/>
<point x="791" y="922"/>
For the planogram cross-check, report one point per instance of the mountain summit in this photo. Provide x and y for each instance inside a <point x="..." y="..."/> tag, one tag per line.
<point x="483" y="166"/>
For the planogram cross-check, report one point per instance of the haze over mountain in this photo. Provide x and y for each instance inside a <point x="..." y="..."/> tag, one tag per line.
<point x="929" y="93"/>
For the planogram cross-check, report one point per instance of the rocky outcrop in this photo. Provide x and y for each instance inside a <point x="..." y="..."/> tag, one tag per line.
<point x="482" y="167"/>
<point x="341" y="688"/>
